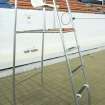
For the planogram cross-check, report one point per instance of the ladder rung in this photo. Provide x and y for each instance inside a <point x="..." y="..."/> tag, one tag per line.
<point x="56" y="30"/>
<point x="68" y="30"/>
<point x="71" y="49"/>
<point x="79" y="93"/>
<point x="47" y="6"/>
<point x="64" y="30"/>
<point x="77" y="68"/>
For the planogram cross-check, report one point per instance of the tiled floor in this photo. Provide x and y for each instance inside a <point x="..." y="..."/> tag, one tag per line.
<point x="56" y="89"/>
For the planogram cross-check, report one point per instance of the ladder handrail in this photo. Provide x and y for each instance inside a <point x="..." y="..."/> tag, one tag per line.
<point x="79" y="51"/>
<point x="67" y="60"/>
<point x="14" y="55"/>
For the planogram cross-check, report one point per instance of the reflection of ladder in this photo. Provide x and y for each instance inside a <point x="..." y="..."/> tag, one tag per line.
<point x="78" y="93"/>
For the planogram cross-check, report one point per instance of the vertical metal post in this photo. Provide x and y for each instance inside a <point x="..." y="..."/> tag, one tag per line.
<point x="42" y="55"/>
<point x="54" y="21"/>
<point x="14" y="54"/>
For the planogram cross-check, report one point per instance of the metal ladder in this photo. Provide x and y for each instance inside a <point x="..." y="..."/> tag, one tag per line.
<point x="85" y="87"/>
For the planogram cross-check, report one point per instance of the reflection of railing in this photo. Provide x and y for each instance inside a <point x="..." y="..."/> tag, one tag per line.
<point x="93" y="1"/>
<point x="101" y="1"/>
<point x="3" y="1"/>
<point x="5" y="4"/>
